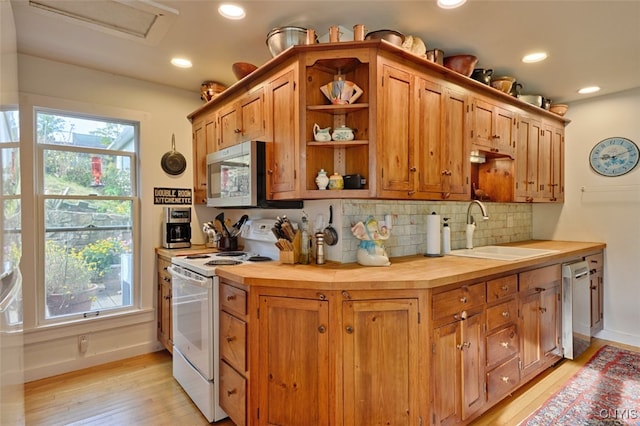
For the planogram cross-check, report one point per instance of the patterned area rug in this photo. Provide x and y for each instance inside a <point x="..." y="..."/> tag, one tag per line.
<point x="606" y="391"/>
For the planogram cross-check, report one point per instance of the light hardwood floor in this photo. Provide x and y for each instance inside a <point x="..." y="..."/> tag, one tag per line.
<point x="141" y="391"/>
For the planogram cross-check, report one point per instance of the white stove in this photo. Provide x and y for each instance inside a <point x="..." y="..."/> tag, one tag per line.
<point x="195" y="313"/>
<point x="259" y="246"/>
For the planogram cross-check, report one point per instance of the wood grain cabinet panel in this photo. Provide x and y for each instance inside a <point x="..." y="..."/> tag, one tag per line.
<point x="502" y="345"/>
<point x="233" y="394"/>
<point x="233" y="341"/>
<point x="502" y="380"/>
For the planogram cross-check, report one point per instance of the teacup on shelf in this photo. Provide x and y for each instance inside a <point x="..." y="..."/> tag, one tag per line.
<point x="341" y="92"/>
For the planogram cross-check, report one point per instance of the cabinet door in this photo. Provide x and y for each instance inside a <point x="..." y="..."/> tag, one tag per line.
<point x="293" y="361"/>
<point x="483" y="125"/>
<point x="454" y="145"/>
<point x="252" y="116"/>
<point x="472" y="353"/>
<point x="550" y="314"/>
<point x="199" y="145"/>
<point x="165" y="321"/>
<point x="526" y="167"/>
<point x="505" y="131"/>
<point x="398" y="163"/>
<point x="597" y="293"/>
<point x="446" y="370"/>
<point x="557" y="167"/>
<point x="545" y="165"/>
<point x="381" y="362"/>
<point x="530" y="350"/>
<point x="228" y="118"/>
<point x="282" y="157"/>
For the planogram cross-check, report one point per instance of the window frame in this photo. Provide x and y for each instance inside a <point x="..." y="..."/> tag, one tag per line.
<point x="35" y="314"/>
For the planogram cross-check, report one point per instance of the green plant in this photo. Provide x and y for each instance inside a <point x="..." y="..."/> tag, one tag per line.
<point x="66" y="272"/>
<point x="100" y="255"/>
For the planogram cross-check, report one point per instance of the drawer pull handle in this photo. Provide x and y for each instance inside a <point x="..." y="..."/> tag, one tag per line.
<point x="463" y="299"/>
<point x="231" y="392"/>
<point x="230" y="338"/>
<point x="543" y="310"/>
<point x="231" y="297"/>
<point x="504" y="287"/>
<point x="505" y="314"/>
<point x="540" y="289"/>
<point x="505" y="379"/>
<point x="504" y="344"/>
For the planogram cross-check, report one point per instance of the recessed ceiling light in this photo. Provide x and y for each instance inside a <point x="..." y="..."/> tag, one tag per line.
<point x="450" y="4"/>
<point x="587" y="90"/>
<point x="231" y="11"/>
<point x="181" y="62"/>
<point x="534" y="57"/>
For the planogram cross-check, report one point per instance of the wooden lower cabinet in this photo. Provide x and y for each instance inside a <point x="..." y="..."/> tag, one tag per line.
<point x="380" y="362"/>
<point x="596" y="284"/>
<point x="401" y="357"/>
<point x="163" y="304"/>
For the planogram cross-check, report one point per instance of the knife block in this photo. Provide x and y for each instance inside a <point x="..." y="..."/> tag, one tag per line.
<point x="292" y="256"/>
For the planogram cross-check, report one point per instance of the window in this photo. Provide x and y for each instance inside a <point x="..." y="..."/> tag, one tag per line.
<point x="10" y="238"/>
<point x="87" y="197"/>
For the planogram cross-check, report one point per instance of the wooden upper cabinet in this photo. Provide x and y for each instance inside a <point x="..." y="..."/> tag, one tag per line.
<point x="241" y="120"/>
<point x="282" y="117"/>
<point x="200" y="131"/>
<point x="397" y="155"/>
<point x="493" y="127"/>
<point x="526" y="167"/>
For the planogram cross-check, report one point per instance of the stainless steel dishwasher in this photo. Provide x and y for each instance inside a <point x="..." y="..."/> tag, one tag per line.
<point x="576" y="309"/>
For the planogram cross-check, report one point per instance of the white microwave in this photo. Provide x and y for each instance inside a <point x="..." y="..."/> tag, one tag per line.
<point x="236" y="178"/>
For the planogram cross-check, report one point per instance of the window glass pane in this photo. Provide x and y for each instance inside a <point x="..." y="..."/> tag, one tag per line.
<point x="10" y="161"/>
<point x="67" y="130"/>
<point x="9" y="126"/>
<point x="11" y="238"/>
<point x="82" y="173"/>
<point x="87" y="269"/>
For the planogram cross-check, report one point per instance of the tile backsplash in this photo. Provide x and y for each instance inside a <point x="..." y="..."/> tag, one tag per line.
<point x="508" y="222"/>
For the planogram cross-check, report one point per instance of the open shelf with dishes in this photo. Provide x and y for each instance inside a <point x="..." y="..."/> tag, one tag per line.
<point x="349" y="150"/>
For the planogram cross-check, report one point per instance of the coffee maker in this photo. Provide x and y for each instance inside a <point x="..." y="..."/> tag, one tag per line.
<point x="176" y="229"/>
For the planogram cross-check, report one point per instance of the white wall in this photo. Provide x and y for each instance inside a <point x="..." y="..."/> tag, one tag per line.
<point x="608" y="210"/>
<point x="165" y="109"/>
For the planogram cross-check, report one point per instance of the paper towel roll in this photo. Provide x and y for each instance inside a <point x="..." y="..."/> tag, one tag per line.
<point x="433" y="234"/>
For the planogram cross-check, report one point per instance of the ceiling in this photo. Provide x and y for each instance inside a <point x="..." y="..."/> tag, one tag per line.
<point x="589" y="42"/>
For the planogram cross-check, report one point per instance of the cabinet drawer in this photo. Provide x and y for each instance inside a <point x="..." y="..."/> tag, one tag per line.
<point x="502" y="314"/>
<point x="233" y="394"/>
<point x="540" y="278"/>
<point x="233" y="299"/>
<point x="595" y="261"/>
<point x="502" y="345"/>
<point x="233" y="341"/>
<point x="501" y="288"/>
<point x="503" y="379"/>
<point x="452" y="302"/>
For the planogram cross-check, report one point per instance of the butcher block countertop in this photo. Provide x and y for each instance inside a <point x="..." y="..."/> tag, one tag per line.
<point x="409" y="272"/>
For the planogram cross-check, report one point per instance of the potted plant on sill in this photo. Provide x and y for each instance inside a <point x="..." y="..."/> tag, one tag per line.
<point x="103" y="257"/>
<point x="67" y="281"/>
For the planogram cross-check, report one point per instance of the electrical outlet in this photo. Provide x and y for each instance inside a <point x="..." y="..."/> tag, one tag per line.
<point x="83" y="343"/>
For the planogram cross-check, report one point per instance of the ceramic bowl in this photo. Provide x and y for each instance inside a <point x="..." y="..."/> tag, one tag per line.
<point x="243" y="69"/>
<point x="393" y="37"/>
<point x="560" y="109"/>
<point x="503" y="84"/>
<point x="462" y="64"/>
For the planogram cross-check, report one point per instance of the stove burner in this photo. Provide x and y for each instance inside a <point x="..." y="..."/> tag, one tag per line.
<point x="259" y="258"/>
<point x="197" y="256"/>
<point x="230" y="254"/>
<point x="222" y="262"/>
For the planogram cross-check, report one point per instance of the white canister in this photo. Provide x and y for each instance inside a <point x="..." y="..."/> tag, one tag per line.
<point x="322" y="180"/>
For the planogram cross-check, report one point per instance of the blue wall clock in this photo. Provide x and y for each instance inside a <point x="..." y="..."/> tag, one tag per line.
<point x="614" y="156"/>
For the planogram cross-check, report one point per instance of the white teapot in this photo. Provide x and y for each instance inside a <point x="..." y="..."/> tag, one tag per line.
<point x="321" y="135"/>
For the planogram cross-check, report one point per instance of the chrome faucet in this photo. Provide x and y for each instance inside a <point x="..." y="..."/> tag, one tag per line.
<point x="471" y="223"/>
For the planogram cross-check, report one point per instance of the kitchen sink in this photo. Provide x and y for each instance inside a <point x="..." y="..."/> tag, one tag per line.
<point x="502" y="252"/>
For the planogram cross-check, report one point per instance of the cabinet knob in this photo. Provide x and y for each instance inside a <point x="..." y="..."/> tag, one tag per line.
<point x="496" y="136"/>
<point x="346" y="294"/>
<point x="230" y="338"/>
<point x="505" y="314"/>
<point x="543" y="310"/>
<point x="505" y="379"/>
<point x="593" y="287"/>
<point x="463" y="345"/>
<point x="504" y="344"/>
<point x="237" y="131"/>
<point x="231" y="392"/>
<point x="167" y="297"/>
<point x="231" y="297"/>
<point x="322" y="329"/>
<point x="412" y="169"/>
<point x="411" y="192"/>
<point x="504" y="288"/>
<point x="166" y="279"/>
<point x="464" y="299"/>
<point x="349" y="329"/>
<point x="540" y="289"/>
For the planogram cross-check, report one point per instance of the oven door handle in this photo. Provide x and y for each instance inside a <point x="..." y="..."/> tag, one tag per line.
<point x="197" y="280"/>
